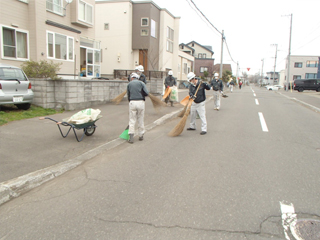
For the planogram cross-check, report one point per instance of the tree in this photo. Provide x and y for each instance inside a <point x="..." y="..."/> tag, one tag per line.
<point x="226" y="75"/>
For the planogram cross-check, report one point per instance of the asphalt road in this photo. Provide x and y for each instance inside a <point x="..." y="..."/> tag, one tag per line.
<point x="227" y="184"/>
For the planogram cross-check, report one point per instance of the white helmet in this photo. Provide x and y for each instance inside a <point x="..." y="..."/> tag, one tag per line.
<point x="134" y="75"/>
<point x="216" y="74"/>
<point x="140" y="68"/>
<point x="191" y="76"/>
<point x="170" y="73"/>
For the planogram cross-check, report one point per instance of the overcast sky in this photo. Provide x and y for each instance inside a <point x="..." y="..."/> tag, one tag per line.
<point x="251" y="28"/>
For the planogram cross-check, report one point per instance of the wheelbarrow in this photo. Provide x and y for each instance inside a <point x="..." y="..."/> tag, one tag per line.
<point x="88" y="128"/>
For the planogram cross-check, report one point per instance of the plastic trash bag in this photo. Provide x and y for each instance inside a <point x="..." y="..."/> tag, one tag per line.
<point x="84" y="116"/>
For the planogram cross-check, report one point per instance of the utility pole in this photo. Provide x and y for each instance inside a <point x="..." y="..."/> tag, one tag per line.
<point x="221" y="57"/>
<point x="237" y="76"/>
<point x="262" y="72"/>
<point x="288" y="75"/>
<point x="275" y="62"/>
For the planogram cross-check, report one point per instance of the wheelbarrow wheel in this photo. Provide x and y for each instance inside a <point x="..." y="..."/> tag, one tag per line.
<point x="89" y="130"/>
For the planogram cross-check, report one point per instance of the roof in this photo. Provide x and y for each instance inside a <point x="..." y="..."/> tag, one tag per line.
<point x="216" y="67"/>
<point x="206" y="47"/>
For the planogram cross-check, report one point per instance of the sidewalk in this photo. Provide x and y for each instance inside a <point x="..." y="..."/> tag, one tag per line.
<point x="310" y="99"/>
<point x="32" y="151"/>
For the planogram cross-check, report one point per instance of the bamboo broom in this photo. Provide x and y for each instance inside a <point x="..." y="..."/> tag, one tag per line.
<point x="181" y="114"/>
<point x="157" y="103"/>
<point x="178" y="129"/>
<point x="119" y="98"/>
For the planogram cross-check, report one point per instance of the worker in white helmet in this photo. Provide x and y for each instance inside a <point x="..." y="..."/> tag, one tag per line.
<point x="139" y="70"/>
<point x="217" y="87"/>
<point x="198" y="104"/>
<point x="136" y="91"/>
<point x="170" y="81"/>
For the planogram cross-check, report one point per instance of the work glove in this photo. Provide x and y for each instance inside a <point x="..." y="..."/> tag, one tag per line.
<point x="167" y="86"/>
<point x="192" y="97"/>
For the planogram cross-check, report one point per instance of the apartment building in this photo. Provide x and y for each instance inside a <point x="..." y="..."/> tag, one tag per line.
<point x="303" y="67"/>
<point x="59" y="30"/>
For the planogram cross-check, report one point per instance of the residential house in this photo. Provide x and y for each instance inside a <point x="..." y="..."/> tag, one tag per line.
<point x="225" y="67"/>
<point x="139" y="33"/>
<point x="57" y="30"/>
<point x="273" y="78"/>
<point x="92" y="38"/>
<point x="203" y="58"/>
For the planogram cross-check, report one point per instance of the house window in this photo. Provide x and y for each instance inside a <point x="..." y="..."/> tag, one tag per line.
<point x="296" y="77"/>
<point x="60" y="46"/>
<point x="144" y="32"/>
<point x="204" y="55"/>
<point x="15" y="43"/>
<point x="185" y="68"/>
<point x="106" y="26"/>
<point x="55" y="6"/>
<point x="203" y="69"/>
<point x="312" y="64"/>
<point x="153" y="28"/>
<point x="85" y="12"/>
<point x="170" y="37"/>
<point x="298" y="64"/>
<point x="311" y="75"/>
<point x="144" y="22"/>
<point x="200" y="55"/>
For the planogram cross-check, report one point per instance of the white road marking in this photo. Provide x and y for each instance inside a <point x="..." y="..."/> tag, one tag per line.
<point x="254" y="95"/>
<point x="263" y="122"/>
<point x="289" y="219"/>
<point x="257" y="102"/>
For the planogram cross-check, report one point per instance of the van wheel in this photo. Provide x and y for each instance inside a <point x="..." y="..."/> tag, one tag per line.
<point x="318" y="90"/>
<point x="300" y="89"/>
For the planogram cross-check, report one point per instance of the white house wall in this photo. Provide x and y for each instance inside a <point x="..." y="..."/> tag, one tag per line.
<point x="302" y="71"/>
<point x="116" y="43"/>
<point x="168" y="60"/>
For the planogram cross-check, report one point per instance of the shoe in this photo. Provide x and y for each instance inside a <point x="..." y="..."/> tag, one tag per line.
<point x="203" y="133"/>
<point x="141" y="138"/>
<point x="130" y="138"/>
<point x="171" y="104"/>
<point x="191" y="129"/>
<point x="215" y="109"/>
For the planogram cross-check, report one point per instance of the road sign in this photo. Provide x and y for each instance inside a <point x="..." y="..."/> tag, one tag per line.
<point x="248" y="69"/>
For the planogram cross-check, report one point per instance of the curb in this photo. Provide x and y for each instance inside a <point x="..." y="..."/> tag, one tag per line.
<point x="15" y="187"/>
<point x="303" y="103"/>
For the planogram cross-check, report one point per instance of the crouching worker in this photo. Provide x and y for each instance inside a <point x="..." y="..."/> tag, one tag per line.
<point x="198" y="104"/>
<point x="136" y="91"/>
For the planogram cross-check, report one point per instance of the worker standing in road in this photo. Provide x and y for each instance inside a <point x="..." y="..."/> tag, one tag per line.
<point x="231" y="85"/>
<point x="198" y="104"/>
<point x="170" y="81"/>
<point x="217" y="87"/>
<point x="136" y="91"/>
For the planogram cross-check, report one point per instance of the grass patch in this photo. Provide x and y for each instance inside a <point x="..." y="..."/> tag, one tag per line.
<point x="10" y="113"/>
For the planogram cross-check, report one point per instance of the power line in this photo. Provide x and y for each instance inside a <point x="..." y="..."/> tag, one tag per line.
<point x="205" y="16"/>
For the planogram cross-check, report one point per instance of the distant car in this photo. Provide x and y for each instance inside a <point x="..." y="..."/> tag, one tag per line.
<point x="272" y="87"/>
<point x="306" y="84"/>
<point x="15" y="87"/>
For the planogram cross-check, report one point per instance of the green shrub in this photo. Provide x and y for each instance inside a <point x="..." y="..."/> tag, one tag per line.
<point x="41" y="69"/>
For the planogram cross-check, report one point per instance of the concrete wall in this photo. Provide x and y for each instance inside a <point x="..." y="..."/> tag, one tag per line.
<point x="80" y="94"/>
